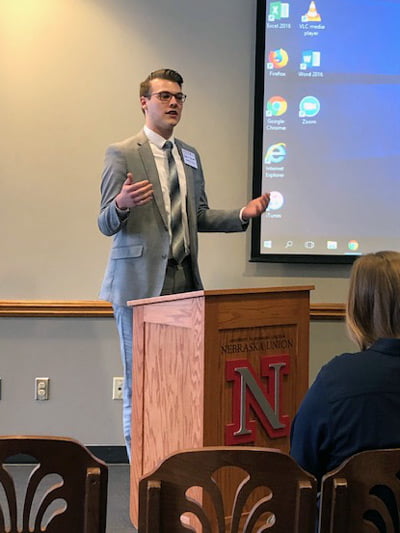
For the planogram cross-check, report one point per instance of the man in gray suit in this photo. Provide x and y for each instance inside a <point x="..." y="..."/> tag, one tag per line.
<point x="136" y="210"/>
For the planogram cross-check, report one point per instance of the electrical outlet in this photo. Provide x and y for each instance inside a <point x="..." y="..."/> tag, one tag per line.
<point x="42" y="388"/>
<point x="118" y="384"/>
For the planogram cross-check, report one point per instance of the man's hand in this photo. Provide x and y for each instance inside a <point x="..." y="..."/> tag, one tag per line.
<point x="256" y="207"/>
<point x="134" y="194"/>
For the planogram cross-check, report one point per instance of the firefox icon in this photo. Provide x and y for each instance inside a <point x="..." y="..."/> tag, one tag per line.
<point x="278" y="58"/>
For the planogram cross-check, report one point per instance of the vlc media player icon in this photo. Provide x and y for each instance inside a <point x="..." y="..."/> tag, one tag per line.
<point x="312" y="14"/>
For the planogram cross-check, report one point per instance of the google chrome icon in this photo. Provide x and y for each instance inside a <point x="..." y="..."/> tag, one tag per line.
<point x="353" y="245"/>
<point x="276" y="106"/>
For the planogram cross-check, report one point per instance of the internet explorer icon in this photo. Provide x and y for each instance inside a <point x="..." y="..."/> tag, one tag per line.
<point x="276" y="153"/>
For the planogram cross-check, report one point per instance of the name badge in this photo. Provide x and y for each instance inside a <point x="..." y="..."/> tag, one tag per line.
<point x="189" y="158"/>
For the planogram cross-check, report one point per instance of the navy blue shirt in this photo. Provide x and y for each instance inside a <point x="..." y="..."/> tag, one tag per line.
<point x="353" y="405"/>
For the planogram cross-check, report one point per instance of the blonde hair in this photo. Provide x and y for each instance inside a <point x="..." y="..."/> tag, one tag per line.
<point x="373" y="305"/>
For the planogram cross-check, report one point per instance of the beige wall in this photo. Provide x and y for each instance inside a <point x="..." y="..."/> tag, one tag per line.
<point x="69" y="83"/>
<point x="70" y="74"/>
<point x="81" y="356"/>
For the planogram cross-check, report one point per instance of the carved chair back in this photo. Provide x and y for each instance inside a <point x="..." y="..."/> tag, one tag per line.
<point x="363" y="494"/>
<point x="66" y="491"/>
<point x="184" y="494"/>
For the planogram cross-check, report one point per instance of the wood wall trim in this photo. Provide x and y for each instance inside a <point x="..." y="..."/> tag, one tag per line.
<point x="327" y="312"/>
<point x="55" y="308"/>
<point x="99" y="308"/>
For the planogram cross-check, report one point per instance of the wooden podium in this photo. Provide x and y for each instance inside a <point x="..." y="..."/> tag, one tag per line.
<point x="216" y="367"/>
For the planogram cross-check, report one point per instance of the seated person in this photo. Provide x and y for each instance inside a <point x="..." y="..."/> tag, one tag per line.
<point x="354" y="403"/>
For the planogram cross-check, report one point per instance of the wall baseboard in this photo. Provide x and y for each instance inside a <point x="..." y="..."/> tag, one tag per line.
<point x="110" y="454"/>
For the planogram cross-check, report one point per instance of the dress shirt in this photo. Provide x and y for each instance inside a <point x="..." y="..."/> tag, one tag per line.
<point x="160" y="157"/>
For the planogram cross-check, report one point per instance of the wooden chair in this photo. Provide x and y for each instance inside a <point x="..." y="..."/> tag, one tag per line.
<point x="76" y="503"/>
<point x="286" y="494"/>
<point x="362" y="494"/>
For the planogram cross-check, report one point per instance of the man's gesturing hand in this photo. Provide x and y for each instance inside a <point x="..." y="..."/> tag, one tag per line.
<point x="134" y="194"/>
<point x="256" y="207"/>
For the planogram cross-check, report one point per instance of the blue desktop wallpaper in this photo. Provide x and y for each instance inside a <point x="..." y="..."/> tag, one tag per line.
<point x="327" y="121"/>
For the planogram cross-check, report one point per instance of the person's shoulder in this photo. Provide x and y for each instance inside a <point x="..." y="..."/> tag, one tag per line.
<point x="185" y="146"/>
<point x="385" y="346"/>
<point x="369" y="356"/>
<point x="341" y="361"/>
<point x="337" y="376"/>
<point x="129" y="143"/>
<point x="338" y="369"/>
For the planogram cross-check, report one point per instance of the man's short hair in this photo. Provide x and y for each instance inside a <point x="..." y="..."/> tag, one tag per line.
<point x="373" y="306"/>
<point x="160" y="74"/>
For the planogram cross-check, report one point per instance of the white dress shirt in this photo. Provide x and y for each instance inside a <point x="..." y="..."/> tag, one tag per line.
<point x="160" y="157"/>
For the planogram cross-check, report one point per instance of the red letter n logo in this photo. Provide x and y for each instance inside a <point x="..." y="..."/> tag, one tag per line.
<point x="264" y="400"/>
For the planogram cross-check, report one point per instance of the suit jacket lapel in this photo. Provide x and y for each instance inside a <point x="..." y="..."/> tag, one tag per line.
<point x="190" y="195"/>
<point x="152" y="175"/>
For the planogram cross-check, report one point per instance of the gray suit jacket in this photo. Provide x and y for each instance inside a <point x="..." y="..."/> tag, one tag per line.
<point x="139" y="253"/>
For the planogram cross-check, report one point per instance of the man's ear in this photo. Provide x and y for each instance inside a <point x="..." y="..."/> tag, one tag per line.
<point x="143" y="103"/>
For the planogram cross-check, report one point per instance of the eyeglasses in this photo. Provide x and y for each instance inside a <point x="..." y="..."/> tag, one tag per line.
<point x="165" y="96"/>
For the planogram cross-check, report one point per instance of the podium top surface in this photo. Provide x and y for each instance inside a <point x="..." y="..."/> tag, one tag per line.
<point x="219" y="292"/>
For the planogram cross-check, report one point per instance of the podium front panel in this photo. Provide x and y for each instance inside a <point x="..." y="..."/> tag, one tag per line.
<point x="216" y="368"/>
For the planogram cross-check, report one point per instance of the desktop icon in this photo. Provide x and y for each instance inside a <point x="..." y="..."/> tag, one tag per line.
<point x="267" y="244"/>
<point x="276" y="201"/>
<point x="331" y="245"/>
<point x="309" y="106"/>
<point x="312" y="14"/>
<point x="353" y="245"/>
<point x="309" y="245"/>
<point x="310" y="59"/>
<point x="278" y="10"/>
<point x="276" y="106"/>
<point x="277" y="58"/>
<point x="276" y="153"/>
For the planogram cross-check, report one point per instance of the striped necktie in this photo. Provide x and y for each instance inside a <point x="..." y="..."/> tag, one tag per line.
<point x="177" y="232"/>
